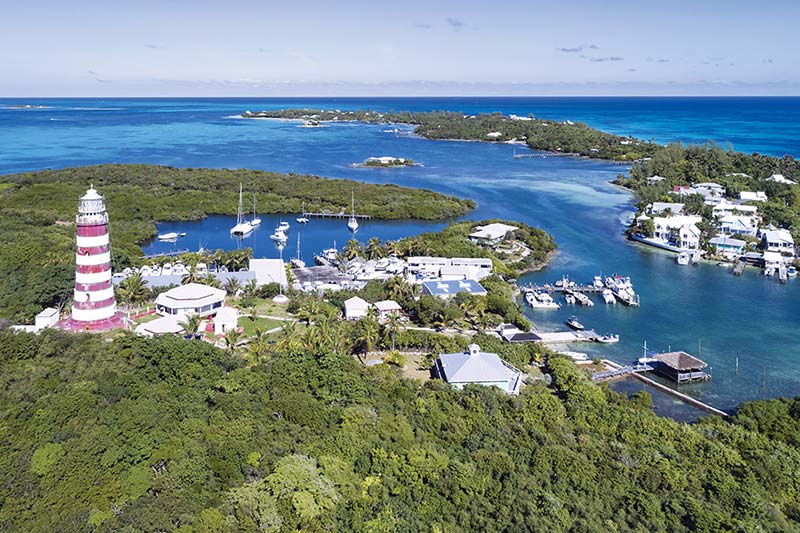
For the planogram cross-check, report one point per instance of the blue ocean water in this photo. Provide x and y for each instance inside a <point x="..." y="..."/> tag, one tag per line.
<point x="699" y="309"/>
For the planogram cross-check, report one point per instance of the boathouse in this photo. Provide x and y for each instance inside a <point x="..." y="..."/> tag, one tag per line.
<point x="680" y="367"/>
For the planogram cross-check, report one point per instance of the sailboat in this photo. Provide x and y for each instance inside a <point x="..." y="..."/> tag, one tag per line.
<point x="352" y="223"/>
<point x="242" y="227"/>
<point x="302" y="219"/>
<point x="256" y="221"/>
<point x="298" y="262"/>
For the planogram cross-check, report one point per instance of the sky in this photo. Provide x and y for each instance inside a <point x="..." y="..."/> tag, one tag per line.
<point x="378" y="48"/>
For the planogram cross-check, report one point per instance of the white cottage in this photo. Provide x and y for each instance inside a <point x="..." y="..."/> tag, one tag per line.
<point x="478" y="368"/>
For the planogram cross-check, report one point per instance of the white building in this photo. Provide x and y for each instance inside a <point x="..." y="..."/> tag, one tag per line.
<point x="680" y="231"/>
<point x="773" y="260"/>
<point x="780" y="178"/>
<point x="778" y="240"/>
<point x="46" y="319"/>
<point x="728" y="246"/>
<point x="657" y="208"/>
<point x="190" y="299"/>
<point x="269" y="271"/>
<point x="749" y="196"/>
<point x="355" y="308"/>
<point x="655" y="179"/>
<point x="725" y="208"/>
<point x="226" y="319"/>
<point x="385" y="308"/>
<point x="448" y="288"/>
<point x="164" y="325"/>
<point x="739" y="225"/>
<point x="450" y="268"/>
<point x="491" y="234"/>
<point x="478" y="368"/>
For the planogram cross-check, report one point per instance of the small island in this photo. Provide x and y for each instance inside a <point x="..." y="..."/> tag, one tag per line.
<point x="386" y="162"/>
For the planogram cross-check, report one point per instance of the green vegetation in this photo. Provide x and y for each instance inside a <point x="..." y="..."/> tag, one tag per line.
<point x="172" y="435"/>
<point x="384" y="162"/>
<point x="37" y="211"/>
<point x="550" y="135"/>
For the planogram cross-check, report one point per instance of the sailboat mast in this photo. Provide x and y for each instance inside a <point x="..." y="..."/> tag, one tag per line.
<point x="353" y="200"/>
<point x="239" y="214"/>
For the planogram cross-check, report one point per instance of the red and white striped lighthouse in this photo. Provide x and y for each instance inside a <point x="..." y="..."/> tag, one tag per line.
<point x="94" y="307"/>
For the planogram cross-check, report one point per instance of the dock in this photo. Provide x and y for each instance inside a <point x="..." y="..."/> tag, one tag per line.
<point x="165" y="254"/>
<point x="545" y="155"/>
<point x="335" y="215"/>
<point x="619" y="371"/>
<point x="547" y="287"/>
<point x="739" y="267"/>
<point x="565" y="337"/>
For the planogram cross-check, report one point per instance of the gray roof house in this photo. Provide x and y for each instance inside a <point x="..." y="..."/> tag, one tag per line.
<point x="479" y="368"/>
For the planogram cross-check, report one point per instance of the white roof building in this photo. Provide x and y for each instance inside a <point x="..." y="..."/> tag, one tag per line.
<point x="778" y="240"/>
<point x="780" y="178"/>
<point x="656" y="208"/>
<point x="739" y="225"/>
<point x="189" y="299"/>
<point x="355" y="308"/>
<point x="451" y="268"/>
<point x="773" y="259"/>
<point x="724" y="208"/>
<point x="227" y="319"/>
<point x="492" y="233"/>
<point x="655" y="179"/>
<point x="680" y="230"/>
<point x="386" y="308"/>
<point x="164" y="325"/>
<point x="749" y="196"/>
<point x="269" y="271"/>
<point x="46" y="319"/>
<point x="479" y="368"/>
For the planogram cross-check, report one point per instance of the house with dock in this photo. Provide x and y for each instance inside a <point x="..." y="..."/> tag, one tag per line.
<point x="680" y="367"/>
<point x="474" y="367"/>
<point x="680" y="231"/>
<point x="778" y="240"/>
<point x="739" y="225"/>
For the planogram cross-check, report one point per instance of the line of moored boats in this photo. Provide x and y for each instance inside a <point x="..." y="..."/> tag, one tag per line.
<point x="612" y="289"/>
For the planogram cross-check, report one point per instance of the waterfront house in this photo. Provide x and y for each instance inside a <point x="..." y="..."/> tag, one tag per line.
<point x="725" y="208"/>
<point x="749" y="196"/>
<point x="449" y="288"/>
<point x="680" y="367"/>
<point x="492" y="234"/>
<point x="478" y="368"/>
<point x="227" y="319"/>
<point x="739" y="225"/>
<point x="355" y="308"/>
<point x="660" y="208"/>
<point x="778" y="240"/>
<point x="780" y="178"/>
<point x="728" y="246"/>
<point x="680" y="231"/>
<point x="190" y="299"/>
<point x="385" y="308"/>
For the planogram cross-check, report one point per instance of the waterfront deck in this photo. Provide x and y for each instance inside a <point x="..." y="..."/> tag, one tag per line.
<point x="336" y="215"/>
<point x="566" y="337"/>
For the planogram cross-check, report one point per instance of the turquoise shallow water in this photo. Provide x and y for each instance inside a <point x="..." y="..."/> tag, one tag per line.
<point x="751" y="318"/>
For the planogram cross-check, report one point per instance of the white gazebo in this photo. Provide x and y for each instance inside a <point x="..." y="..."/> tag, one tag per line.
<point x="190" y="299"/>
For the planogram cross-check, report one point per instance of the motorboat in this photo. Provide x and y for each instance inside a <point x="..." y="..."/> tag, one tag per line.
<point x="352" y="222"/>
<point x="145" y="271"/>
<point x="242" y="226"/>
<point x="297" y="263"/>
<point x="565" y="283"/>
<point x="598" y="282"/>
<point x="170" y="236"/>
<point x="608" y="339"/>
<point x="791" y="271"/>
<point x="302" y="220"/>
<point x="570" y="298"/>
<point x="278" y="236"/>
<point x="574" y="324"/>
<point x="283" y="226"/>
<point x="583" y="299"/>
<point x="683" y="258"/>
<point x="541" y="300"/>
<point x="256" y="221"/>
<point x="769" y="271"/>
<point x="608" y="296"/>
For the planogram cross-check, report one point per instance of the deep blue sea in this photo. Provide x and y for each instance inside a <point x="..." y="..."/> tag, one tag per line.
<point x="698" y="309"/>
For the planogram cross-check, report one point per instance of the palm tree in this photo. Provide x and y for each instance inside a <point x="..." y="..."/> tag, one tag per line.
<point x="191" y="276"/>
<point x="393" y="325"/>
<point x="250" y="289"/>
<point x="288" y="341"/>
<point x="133" y="290"/>
<point x="375" y="249"/>
<point x="259" y="346"/>
<point x="191" y="324"/>
<point x="232" y="286"/>
<point x="352" y="249"/>
<point x="211" y="280"/>
<point x="231" y="339"/>
<point x="397" y="287"/>
<point x="393" y="247"/>
<point x="368" y="333"/>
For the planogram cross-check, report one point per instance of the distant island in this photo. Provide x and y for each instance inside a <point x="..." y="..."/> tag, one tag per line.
<point x="386" y="162"/>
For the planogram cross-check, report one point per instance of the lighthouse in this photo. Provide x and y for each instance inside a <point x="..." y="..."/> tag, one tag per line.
<point x="93" y="307"/>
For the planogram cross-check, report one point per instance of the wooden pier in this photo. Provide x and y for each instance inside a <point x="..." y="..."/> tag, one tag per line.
<point x="545" y="155"/>
<point x="165" y="254"/>
<point x="335" y="215"/>
<point x="620" y="371"/>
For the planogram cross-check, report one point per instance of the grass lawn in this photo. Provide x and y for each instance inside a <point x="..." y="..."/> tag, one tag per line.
<point x="145" y="319"/>
<point x="264" y="324"/>
<point x="268" y="307"/>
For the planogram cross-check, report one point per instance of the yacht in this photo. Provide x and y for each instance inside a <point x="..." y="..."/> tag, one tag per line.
<point x="297" y="262"/>
<point x="608" y="339"/>
<point x="570" y="298"/>
<point x="278" y="236"/>
<point x="201" y="269"/>
<point x="283" y="226"/>
<point x="583" y="299"/>
<point x="145" y="271"/>
<point x="171" y="236"/>
<point x="608" y="296"/>
<point x="352" y="223"/>
<point x="256" y="221"/>
<point x="541" y="300"/>
<point x="302" y="219"/>
<point x="598" y="282"/>
<point x="574" y="324"/>
<point x="791" y="271"/>
<point x="242" y="227"/>
<point x="683" y="258"/>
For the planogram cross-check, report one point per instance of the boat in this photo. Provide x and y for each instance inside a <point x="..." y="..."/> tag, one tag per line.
<point x="570" y="298"/>
<point x="283" y="226"/>
<point x="541" y="300"/>
<point x="608" y="339"/>
<point x="145" y="271"/>
<point x="683" y="258"/>
<point x="256" y="221"/>
<point x="769" y="271"/>
<point x="696" y="256"/>
<point x="565" y="283"/>
<point x="278" y="236"/>
<point x="574" y="324"/>
<point x="608" y="296"/>
<point x="352" y="222"/>
<point x="791" y="271"/>
<point x="242" y="227"/>
<point x="583" y="299"/>
<point x="297" y="262"/>
<point x="171" y="236"/>
<point x="166" y="270"/>
<point x="598" y="282"/>
<point x="302" y="219"/>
